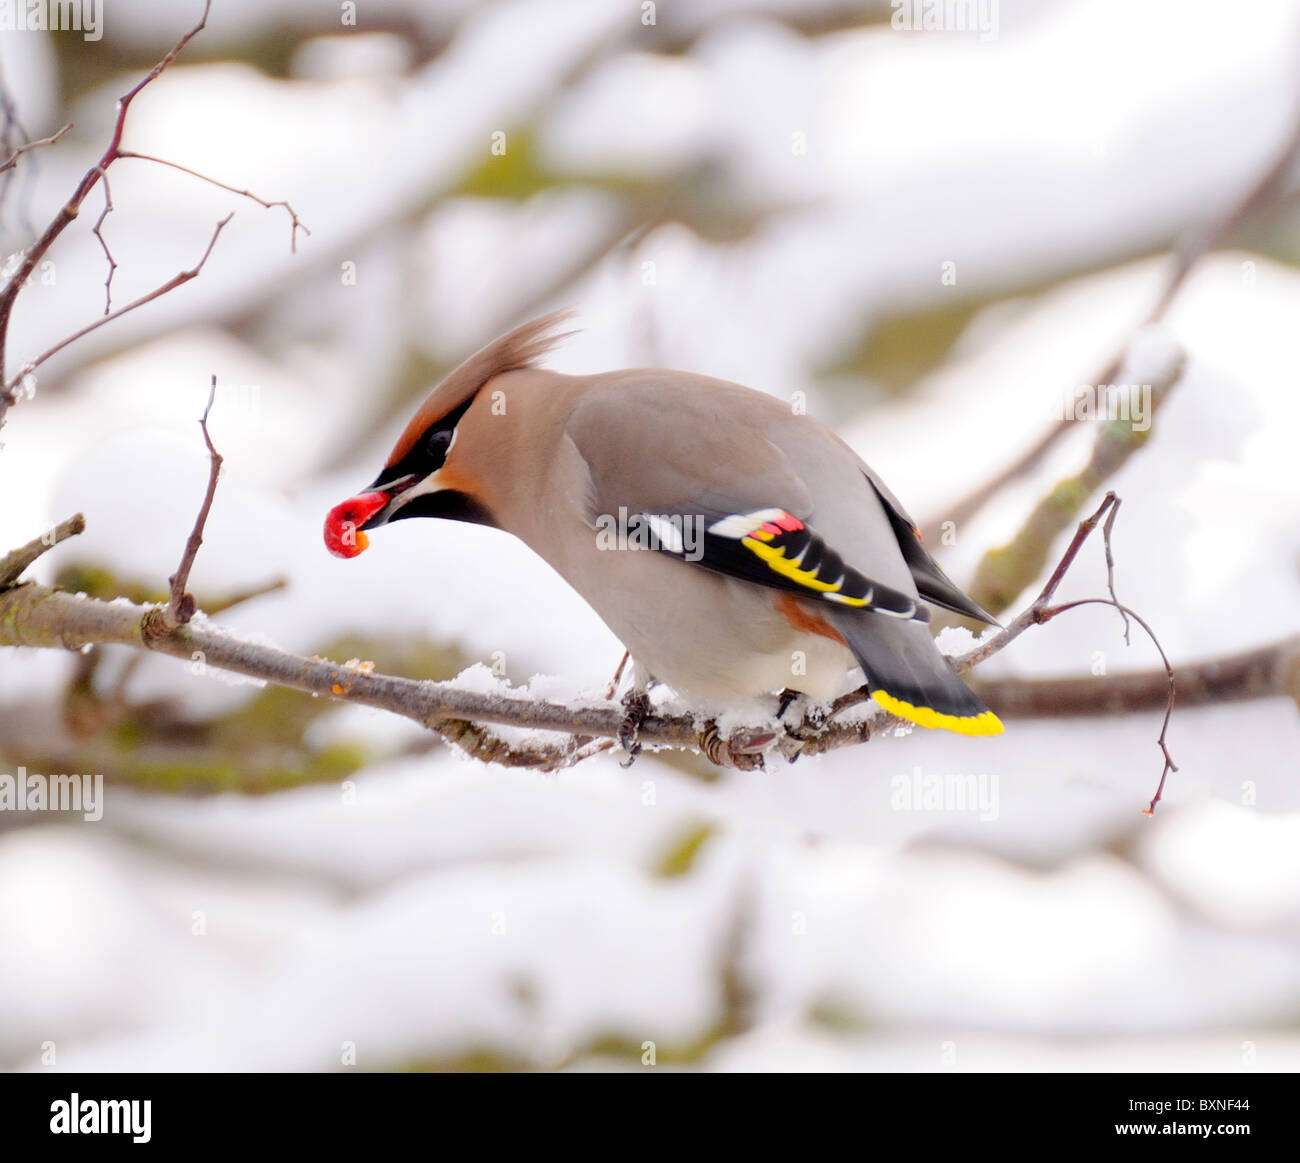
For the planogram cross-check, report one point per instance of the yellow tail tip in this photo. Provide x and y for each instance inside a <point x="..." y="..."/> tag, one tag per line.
<point x="983" y="724"/>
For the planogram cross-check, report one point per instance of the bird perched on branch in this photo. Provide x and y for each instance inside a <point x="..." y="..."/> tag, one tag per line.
<point x="777" y="559"/>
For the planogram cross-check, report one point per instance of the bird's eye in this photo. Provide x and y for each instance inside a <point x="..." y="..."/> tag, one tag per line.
<point x="438" y="442"/>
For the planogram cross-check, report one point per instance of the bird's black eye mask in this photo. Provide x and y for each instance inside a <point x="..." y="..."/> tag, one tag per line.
<point x="429" y="453"/>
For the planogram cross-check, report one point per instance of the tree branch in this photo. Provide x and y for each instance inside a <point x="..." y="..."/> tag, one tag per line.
<point x="70" y="209"/>
<point x="98" y="232"/>
<point x="1042" y="611"/>
<point x="177" y="280"/>
<point x="295" y="223"/>
<point x="181" y="608"/>
<point x="54" y="138"/>
<point x="38" y="616"/>
<point x="1037" y="613"/>
<point x="14" y="563"/>
<point x="1170" y="765"/>
<point x="1271" y="671"/>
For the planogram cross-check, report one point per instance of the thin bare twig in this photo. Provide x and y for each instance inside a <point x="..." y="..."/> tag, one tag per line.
<point x="1110" y="564"/>
<point x="1009" y="633"/>
<point x="1042" y="611"/>
<point x="1034" y="613"/>
<point x="72" y="207"/>
<point x="171" y="284"/>
<point x="98" y="232"/>
<point x="1170" y="765"/>
<point x="12" y="159"/>
<point x="296" y="224"/>
<point x="14" y="563"/>
<point x="180" y="609"/>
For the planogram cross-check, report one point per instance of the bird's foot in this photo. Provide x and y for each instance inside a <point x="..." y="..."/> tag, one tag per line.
<point x="743" y="749"/>
<point x="785" y="700"/>
<point x="636" y="709"/>
<point x="802" y="720"/>
<point x="799" y="714"/>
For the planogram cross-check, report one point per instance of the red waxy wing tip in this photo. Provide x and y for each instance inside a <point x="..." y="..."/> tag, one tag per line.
<point x="343" y="536"/>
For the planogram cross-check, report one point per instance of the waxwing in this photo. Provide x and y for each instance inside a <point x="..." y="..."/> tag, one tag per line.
<point x="734" y="546"/>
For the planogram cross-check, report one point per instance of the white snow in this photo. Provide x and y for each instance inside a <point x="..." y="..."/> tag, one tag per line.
<point x="430" y="907"/>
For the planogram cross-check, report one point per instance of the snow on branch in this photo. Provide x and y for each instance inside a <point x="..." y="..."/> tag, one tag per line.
<point x="40" y="616"/>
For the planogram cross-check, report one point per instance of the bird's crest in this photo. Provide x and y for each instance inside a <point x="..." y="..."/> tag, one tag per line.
<point x="521" y="348"/>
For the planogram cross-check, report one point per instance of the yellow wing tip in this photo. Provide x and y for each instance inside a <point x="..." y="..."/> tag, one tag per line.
<point x="986" y="723"/>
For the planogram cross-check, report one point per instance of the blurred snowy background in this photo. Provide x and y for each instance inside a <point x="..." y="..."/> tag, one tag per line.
<point x="762" y="190"/>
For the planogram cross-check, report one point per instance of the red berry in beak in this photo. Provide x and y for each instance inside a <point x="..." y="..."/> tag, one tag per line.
<point x="343" y="536"/>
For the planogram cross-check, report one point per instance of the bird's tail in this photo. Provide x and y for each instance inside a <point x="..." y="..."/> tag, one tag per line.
<point x="909" y="677"/>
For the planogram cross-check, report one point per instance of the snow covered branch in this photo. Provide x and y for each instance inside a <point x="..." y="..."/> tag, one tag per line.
<point x="41" y="616"/>
<point x="44" y="617"/>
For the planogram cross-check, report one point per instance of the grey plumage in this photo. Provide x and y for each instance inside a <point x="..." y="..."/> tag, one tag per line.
<point x="808" y="540"/>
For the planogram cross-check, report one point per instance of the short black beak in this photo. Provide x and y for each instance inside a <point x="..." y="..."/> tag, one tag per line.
<point x="393" y="489"/>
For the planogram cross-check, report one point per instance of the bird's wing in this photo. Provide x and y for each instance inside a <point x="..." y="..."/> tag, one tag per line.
<point x="688" y="470"/>
<point x="932" y="583"/>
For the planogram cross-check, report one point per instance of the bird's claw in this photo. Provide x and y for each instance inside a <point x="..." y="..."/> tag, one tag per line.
<point x="636" y="709"/>
<point x="810" y="719"/>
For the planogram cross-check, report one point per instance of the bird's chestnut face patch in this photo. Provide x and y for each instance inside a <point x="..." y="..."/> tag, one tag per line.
<point x="343" y="536"/>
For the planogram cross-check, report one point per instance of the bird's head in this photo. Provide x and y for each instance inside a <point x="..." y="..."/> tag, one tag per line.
<point x="419" y="479"/>
<point x="427" y="474"/>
